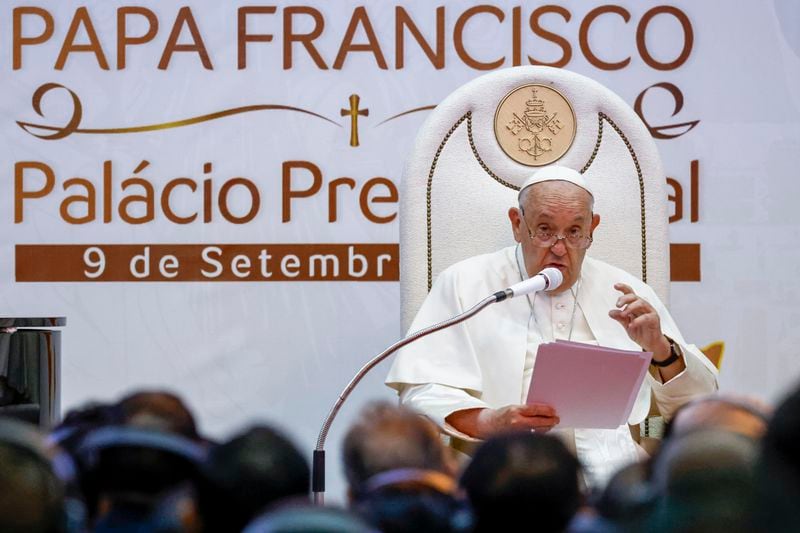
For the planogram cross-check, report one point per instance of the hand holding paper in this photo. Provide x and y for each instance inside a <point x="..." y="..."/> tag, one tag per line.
<point x="483" y="423"/>
<point x="588" y="386"/>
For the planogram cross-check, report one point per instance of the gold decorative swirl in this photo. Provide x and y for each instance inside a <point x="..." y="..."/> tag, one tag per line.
<point x="72" y="126"/>
<point x="415" y="110"/>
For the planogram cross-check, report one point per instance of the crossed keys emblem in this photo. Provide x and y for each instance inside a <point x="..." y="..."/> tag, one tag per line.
<point x="536" y="127"/>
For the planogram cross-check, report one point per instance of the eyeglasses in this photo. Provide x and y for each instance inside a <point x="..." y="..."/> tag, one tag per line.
<point x="546" y="239"/>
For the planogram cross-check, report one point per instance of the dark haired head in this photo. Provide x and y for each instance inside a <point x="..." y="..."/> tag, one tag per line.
<point x="778" y="469"/>
<point x="159" y="411"/>
<point x="77" y="423"/>
<point x="737" y="414"/>
<point x="32" y="495"/>
<point x="297" y="517"/>
<point x="248" y="473"/>
<point x="410" y="500"/>
<point x="387" y="437"/>
<point x="127" y="470"/>
<point x="517" y="476"/>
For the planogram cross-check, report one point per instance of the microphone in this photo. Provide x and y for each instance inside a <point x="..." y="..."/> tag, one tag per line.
<point x="546" y="280"/>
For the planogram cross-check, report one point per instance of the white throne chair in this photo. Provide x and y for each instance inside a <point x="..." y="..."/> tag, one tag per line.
<point x="459" y="182"/>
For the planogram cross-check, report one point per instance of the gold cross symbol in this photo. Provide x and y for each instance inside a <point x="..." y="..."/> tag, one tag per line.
<point x="354" y="113"/>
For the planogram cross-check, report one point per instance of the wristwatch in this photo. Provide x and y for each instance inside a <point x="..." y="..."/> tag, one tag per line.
<point x="675" y="353"/>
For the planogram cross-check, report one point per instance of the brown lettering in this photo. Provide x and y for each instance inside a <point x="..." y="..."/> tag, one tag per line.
<point x="107" y="206"/>
<point x="244" y="37"/>
<point x="185" y="17"/>
<point x="19" y="41"/>
<point x="165" y="200"/>
<point x="333" y="197"/>
<point x="206" y="262"/>
<point x="516" y="36"/>
<point x="255" y="203"/>
<point x="147" y="198"/>
<point x="69" y="46"/>
<point x="403" y="20"/>
<point x="583" y="36"/>
<point x="364" y="199"/>
<point x="124" y="40"/>
<point x="207" y="193"/>
<point x="306" y="39"/>
<point x="289" y="192"/>
<point x="566" y="48"/>
<point x="458" y="37"/>
<point x="88" y="199"/>
<point x="677" y="200"/>
<point x="688" y="37"/>
<point x="360" y="17"/>
<point x="20" y="194"/>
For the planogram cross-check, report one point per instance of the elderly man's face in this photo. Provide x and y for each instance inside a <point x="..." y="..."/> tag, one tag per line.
<point x="557" y="207"/>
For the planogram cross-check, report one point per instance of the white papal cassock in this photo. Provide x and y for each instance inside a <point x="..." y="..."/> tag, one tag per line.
<point x="487" y="361"/>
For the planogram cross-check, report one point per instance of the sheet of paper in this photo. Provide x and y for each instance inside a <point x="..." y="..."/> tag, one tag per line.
<point x="589" y="386"/>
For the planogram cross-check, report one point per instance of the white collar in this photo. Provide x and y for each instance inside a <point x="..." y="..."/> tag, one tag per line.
<point x="523" y="274"/>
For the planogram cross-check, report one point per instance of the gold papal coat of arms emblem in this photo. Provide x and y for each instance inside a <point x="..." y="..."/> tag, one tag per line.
<point x="534" y="125"/>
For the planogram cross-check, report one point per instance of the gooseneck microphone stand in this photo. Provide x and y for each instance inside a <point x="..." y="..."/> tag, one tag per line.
<point x="318" y="464"/>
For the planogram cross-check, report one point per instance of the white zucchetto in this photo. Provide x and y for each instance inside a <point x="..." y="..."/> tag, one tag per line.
<point x="556" y="173"/>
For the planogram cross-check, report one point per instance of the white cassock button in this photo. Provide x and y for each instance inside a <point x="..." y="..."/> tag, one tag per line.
<point x="560" y="306"/>
<point x="561" y="325"/>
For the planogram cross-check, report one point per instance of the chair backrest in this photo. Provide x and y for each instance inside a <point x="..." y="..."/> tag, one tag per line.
<point x="459" y="181"/>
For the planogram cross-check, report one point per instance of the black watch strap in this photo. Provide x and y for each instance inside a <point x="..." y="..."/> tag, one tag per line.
<point x="674" y="355"/>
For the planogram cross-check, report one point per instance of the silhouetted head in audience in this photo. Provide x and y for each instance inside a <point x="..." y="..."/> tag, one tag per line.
<point x="31" y="494"/>
<point x="77" y="423"/>
<point x="159" y="411"/>
<point x="400" y="473"/>
<point x="387" y="437"/>
<point x="778" y="470"/>
<point x="130" y="454"/>
<point x="307" y="518"/>
<point x="523" y="478"/>
<point x="409" y="500"/>
<point x="252" y="471"/>
<point x="126" y="471"/>
<point x="627" y="499"/>
<point x="704" y="482"/>
<point x="737" y="414"/>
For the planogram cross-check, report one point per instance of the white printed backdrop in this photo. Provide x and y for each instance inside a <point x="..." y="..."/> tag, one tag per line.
<point x="241" y="352"/>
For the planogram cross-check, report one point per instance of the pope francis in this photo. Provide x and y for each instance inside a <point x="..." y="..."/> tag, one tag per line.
<point x="472" y="379"/>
